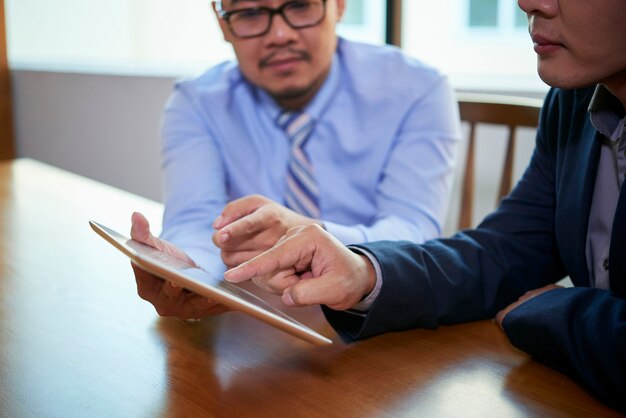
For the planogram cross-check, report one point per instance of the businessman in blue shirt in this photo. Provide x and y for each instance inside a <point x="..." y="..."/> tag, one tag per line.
<point x="381" y="132"/>
<point x="566" y="217"/>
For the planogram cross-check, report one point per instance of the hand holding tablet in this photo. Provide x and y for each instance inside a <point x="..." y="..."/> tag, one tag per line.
<point x="200" y="282"/>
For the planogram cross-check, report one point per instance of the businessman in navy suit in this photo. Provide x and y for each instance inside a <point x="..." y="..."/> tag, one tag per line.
<point x="566" y="216"/>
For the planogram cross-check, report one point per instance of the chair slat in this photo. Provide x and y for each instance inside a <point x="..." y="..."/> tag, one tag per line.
<point x="509" y="111"/>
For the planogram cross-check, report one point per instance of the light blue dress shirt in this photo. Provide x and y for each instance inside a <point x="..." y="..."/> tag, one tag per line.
<point x="383" y="149"/>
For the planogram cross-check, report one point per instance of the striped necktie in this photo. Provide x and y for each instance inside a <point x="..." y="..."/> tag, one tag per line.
<point x="302" y="191"/>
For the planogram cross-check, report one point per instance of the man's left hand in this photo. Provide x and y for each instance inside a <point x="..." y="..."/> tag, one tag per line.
<point x="524" y="298"/>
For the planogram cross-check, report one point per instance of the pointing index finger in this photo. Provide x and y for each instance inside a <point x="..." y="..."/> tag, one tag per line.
<point x="289" y="254"/>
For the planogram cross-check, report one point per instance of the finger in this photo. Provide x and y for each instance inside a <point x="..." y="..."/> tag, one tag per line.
<point x="242" y="228"/>
<point x="198" y="307"/>
<point x="500" y="317"/>
<point x="281" y="239"/>
<point x="148" y="285"/>
<point x="140" y="230"/>
<point x="294" y="230"/>
<point x="277" y="283"/>
<point x="237" y="209"/>
<point x="295" y="252"/>
<point x="504" y="312"/>
<point x="218" y="309"/>
<point x="169" y="300"/>
<point x="322" y="290"/>
<point x="290" y="232"/>
<point x="234" y="258"/>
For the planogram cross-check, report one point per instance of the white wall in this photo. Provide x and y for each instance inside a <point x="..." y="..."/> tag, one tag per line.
<point x="101" y="126"/>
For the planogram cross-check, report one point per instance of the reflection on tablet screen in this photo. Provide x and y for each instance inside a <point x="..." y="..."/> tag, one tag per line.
<point x="201" y="277"/>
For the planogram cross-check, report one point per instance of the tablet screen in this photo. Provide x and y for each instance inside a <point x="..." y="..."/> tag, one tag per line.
<point x="199" y="281"/>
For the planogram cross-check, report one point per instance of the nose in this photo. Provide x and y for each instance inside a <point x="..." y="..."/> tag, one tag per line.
<point x="545" y="8"/>
<point x="280" y="32"/>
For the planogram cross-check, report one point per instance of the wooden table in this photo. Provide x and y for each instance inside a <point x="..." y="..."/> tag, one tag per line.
<point x="76" y="341"/>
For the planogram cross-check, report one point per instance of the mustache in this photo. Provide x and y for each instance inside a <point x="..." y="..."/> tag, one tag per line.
<point x="289" y="52"/>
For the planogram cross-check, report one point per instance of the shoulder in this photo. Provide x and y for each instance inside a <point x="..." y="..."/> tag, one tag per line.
<point x="565" y="108"/>
<point x="565" y="124"/>
<point x="568" y="101"/>
<point x="388" y="68"/>
<point x="216" y="82"/>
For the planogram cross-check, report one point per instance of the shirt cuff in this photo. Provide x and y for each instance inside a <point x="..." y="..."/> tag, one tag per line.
<point x="345" y="234"/>
<point x="361" y="307"/>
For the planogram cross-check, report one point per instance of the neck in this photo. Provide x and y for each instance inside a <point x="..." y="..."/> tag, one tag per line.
<point x="296" y="102"/>
<point x="300" y="99"/>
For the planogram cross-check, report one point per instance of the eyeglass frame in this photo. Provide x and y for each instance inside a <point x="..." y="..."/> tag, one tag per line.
<point x="226" y="15"/>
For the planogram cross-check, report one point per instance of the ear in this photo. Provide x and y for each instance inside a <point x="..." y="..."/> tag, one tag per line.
<point x="341" y="8"/>
<point x="223" y="25"/>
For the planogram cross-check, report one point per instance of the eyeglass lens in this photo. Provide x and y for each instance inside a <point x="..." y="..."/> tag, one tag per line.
<point x="257" y="21"/>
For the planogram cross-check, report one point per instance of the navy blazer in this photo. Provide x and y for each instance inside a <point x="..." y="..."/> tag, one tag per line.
<point x="537" y="236"/>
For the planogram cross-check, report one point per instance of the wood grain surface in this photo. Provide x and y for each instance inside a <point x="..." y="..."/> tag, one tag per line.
<point x="76" y="340"/>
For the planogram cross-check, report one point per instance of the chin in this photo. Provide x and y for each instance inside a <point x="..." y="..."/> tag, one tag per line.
<point x="563" y="79"/>
<point x="567" y="83"/>
<point x="291" y="93"/>
<point x="567" y="75"/>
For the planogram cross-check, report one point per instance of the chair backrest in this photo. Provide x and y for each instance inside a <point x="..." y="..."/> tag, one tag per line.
<point x="509" y="111"/>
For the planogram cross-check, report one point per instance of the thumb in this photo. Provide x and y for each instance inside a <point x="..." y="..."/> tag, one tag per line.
<point x="140" y="229"/>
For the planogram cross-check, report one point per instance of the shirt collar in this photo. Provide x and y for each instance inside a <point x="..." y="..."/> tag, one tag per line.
<point x="607" y="113"/>
<point x="320" y="102"/>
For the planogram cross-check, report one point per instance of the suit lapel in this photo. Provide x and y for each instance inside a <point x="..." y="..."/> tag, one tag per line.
<point x="617" y="259"/>
<point x="576" y="191"/>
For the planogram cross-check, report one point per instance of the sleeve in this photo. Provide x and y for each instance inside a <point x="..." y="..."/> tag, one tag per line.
<point x="579" y="331"/>
<point x="473" y="274"/>
<point x="193" y="179"/>
<point x="414" y="187"/>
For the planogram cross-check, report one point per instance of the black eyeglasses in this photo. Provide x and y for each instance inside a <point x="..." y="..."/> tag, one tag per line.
<point x="256" y="21"/>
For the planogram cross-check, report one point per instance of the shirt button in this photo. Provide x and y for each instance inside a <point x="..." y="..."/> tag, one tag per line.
<point x="605" y="264"/>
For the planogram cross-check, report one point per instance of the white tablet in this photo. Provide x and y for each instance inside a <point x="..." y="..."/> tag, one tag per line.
<point x="199" y="281"/>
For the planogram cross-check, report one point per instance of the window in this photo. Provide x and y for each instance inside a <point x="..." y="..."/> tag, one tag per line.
<point x="495" y="14"/>
<point x="483" y="14"/>
<point x="480" y="44"/>
<point x="364" y="20"/>
<point x="176" y="37"/>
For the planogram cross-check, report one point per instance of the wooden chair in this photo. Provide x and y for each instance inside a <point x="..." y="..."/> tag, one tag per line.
<point x="512" y="112"/>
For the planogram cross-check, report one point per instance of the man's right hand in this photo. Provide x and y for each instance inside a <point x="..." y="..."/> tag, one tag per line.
<point x="168" y="298"/>
<point x="252" y="224"/>
<point x="309" y="266"/>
